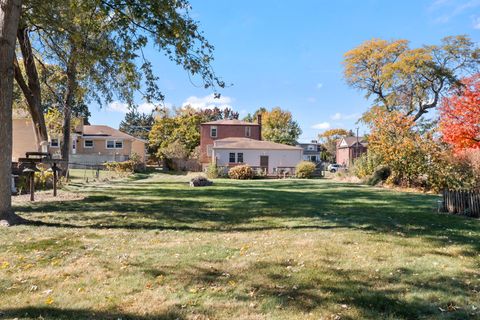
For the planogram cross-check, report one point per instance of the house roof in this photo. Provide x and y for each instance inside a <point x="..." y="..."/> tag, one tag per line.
<point x="351" y="141"/>
<point x="245" y="143"/>
<point x="106" y="131"/>
<point x="232" y="122"/>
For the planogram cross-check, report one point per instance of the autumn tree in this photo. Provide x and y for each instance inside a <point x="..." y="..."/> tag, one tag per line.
<point x="9" y="17"/>
<point x="278" y="126"/>
<point x="410" y="80"/>
<point x="460" y="116"/>
<point x="329" y="139"/>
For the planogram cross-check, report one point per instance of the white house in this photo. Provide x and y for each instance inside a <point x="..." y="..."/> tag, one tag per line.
<point x="268" y="156"/>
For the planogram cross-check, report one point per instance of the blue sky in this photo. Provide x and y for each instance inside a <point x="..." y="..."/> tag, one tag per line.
<point x="289" y="54"/>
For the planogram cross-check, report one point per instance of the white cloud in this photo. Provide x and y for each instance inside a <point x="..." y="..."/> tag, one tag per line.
<point x="145" y="107"/>
<point x="117" y="106"/>
<point x="322" y="125"/>
<point x="340" y="116"/>
<point x="208" y="102"/>
<point x="319" y="85"/>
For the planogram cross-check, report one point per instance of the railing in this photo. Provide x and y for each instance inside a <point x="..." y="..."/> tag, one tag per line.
<point x="465" y="202"/>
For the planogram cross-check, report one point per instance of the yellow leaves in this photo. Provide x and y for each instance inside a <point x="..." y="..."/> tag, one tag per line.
<point x="244" y="249"/>
<point x="232" y="283"/>
<point x="5" y="265"/>
<point x="49" y="301"/>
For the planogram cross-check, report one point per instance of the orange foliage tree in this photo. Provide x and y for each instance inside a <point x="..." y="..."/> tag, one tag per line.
<point x="460" y="116"/>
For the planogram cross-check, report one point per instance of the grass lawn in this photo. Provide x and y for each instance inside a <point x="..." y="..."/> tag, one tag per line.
<point x="154" y="248"/>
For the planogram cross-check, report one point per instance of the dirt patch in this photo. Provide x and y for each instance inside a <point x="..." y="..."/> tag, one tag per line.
<point x="47" y="196"/>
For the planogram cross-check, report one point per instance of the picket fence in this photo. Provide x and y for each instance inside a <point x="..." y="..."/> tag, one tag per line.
<point x="465" y="202"/>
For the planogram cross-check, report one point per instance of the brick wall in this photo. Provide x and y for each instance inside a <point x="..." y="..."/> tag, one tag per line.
<point x="224" y="131"/>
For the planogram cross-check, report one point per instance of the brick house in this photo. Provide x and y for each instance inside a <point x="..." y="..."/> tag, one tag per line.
<point x="221" y="129"/>
<point x="350" y="148"/>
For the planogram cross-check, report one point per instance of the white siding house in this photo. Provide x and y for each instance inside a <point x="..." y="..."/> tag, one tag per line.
<point x="269" y="156"/>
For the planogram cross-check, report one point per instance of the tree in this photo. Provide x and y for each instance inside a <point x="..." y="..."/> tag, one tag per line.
<point x="183" y="127"/>
<point x="9" y="17"/>
<point x="97" y="43"/>
<point x="460" y="116"/>
<point x="329" y="138"/>
<point x="410" y="81"/>
<point x="396" y="141"/>
<point x="278" y="126"/>
<point x="137" y="124"/>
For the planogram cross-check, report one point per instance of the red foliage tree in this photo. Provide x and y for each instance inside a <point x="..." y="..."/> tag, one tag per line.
<point x="460" y="116"/>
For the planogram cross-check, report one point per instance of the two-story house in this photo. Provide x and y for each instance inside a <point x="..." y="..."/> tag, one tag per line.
<point x="349" y="149"/>
<point x="312" y="151"/>
<point x="228" y="143"/>
<point x="221" y="129"/>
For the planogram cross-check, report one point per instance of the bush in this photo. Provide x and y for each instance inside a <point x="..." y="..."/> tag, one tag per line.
<point x="242" y="172"/>
<point x="121" y="167"/>
<point x="381" y="173"/>
<point x="305" y="169"/>
<point x="212" y="171"/>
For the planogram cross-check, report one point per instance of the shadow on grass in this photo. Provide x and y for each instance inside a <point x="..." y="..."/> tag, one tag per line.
<point x="68" y="314"/>
<point x="276" y="288"/>
<point x="254" y="206"/>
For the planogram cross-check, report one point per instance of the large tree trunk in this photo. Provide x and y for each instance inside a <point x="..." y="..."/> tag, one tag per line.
<point x="32" y="90"/>
<point x="9" y="16"/>
<point x="68" y="105"/>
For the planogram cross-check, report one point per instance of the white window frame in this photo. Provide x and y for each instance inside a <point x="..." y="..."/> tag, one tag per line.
<point x="56" y="145"/>
<point x="211" y="131"/>
<point x="85" y="144"/>
<point x="238" y="158"/>
<point x="248" y="131"/>
<point x="114" y="144"/>
<point x="311" y="147"/>
<point x="230" y="157"/>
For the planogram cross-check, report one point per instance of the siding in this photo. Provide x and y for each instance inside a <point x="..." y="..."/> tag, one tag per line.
<point x="23" y="138"/>
<point x="277" y="158"/>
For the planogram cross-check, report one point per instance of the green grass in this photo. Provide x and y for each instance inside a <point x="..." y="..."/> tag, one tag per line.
<point x="151" y="247"/>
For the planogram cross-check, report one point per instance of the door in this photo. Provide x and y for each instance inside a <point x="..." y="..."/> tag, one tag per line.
<point x="264" y="163"/>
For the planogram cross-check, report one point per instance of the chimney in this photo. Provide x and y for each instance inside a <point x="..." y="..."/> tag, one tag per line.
<point x="259" y="121"/>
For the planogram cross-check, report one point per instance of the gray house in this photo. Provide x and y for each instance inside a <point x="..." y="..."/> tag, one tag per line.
<point x="311" y="151"/>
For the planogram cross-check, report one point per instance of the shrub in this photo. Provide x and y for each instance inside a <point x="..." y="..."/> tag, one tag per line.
<point x="242" y="172"/>
<point x="121" y="167"/>
<point x="381" y="173"/>
<point x="305" y="169"/>
<point x="212" y="171"/>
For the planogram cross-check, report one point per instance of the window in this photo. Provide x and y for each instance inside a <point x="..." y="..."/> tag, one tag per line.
<point x="88" y="144"/>
<point x="240" y="157"/>
<point x="232" y="157"/>
<point x="213" y="131"/>
<point x="114" y="144"/>
<point x="311" y="147"/>
<point x="54" y="143"/>
<point x="248" y="131"/>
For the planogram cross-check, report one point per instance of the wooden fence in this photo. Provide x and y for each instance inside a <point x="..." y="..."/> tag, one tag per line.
<point x="462" y="202"/>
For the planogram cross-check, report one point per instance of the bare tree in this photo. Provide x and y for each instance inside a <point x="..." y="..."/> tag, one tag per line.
<point x="9" y="17"/>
